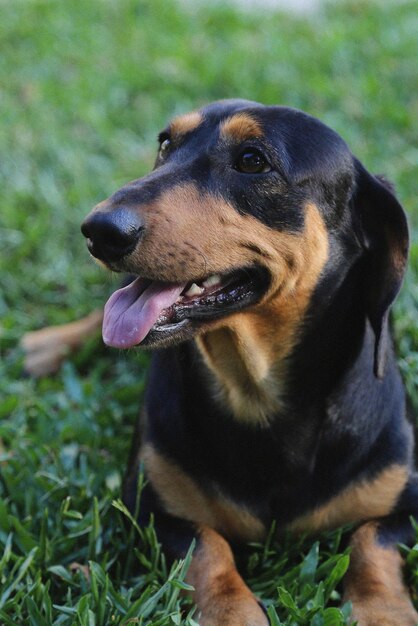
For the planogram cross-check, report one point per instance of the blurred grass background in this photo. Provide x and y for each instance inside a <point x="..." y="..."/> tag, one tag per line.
<point x="84" y="89"/>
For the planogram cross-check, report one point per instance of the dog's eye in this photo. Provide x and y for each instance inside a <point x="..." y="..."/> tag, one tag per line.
<point x="165" y="147"/>
<point x="252" y="162"/>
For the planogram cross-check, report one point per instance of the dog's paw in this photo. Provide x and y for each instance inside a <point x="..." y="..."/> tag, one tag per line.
<point x="234" y="611"/>
<point x="46" y="349"/>
<point x="44" y="352"/>
<point x="378" y="612"/>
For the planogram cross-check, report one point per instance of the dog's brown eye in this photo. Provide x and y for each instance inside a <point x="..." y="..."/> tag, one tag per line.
<point x="252" y="162"/>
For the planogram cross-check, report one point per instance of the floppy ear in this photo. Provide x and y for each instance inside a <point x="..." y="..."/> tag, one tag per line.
<point x="385" y="238"/>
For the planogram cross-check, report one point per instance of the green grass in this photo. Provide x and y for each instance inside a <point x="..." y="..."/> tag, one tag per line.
<point x="85" y="88"/>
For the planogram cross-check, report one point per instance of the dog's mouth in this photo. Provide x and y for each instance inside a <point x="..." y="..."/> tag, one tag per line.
<point x="150" y="312"/>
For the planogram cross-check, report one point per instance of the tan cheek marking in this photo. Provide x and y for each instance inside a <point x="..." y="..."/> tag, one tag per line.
<point x="246" y="352"/>
<point x="203" y="236"/>
<point x="186" y="123"/>
<point x="221" y="595"/>
<point x="183" y="498"/>
<point x="374" y="582"/>
<point x="375" y="498"/>
<point x="220" y="245"/>
<point x="241" y="127"/>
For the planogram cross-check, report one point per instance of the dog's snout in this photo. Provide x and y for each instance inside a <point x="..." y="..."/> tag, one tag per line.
<point x="112" y="235"/>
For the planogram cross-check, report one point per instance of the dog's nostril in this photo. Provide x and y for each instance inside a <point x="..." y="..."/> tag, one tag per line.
<point x="112" y="235"/>
<point x="85" y="229"/>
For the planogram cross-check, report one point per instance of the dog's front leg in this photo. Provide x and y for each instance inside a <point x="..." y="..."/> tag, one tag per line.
<point x="374" y="581"/>
<point x="221" y="595"/>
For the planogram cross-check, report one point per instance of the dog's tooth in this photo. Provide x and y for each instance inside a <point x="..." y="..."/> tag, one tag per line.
<point x="212" y="280"/>
<point x="194" y="290"/>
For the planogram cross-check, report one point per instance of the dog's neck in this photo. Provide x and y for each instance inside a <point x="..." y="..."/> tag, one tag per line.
<point x="248" y="360"/>
<point x="251" y="360"/>
<point x="240" y="359"/>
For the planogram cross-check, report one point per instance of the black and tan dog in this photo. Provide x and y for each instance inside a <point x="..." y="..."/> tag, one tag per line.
<point x="267" y="259"/>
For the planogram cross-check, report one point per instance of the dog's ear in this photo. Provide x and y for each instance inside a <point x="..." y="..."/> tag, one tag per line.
<point x="384" y="232"/>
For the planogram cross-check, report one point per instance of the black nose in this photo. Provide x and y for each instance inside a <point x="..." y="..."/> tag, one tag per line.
<point x="112" y="235"/>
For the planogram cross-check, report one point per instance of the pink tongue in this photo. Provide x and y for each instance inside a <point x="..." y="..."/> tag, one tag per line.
<point x="131" y="312"/>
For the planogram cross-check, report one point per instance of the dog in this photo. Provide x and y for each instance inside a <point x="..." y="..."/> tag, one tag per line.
<point x="265" y="260"/>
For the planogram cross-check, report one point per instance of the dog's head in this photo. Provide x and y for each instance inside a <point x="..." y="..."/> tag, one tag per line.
<point x="248" y="207"/>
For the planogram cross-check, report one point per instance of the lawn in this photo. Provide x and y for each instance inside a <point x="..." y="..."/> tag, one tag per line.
<point x="85" y="88"/>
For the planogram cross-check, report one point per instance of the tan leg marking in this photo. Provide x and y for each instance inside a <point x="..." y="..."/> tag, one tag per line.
<point x="222" y="597"/>
<point x="46" y="349"/>
<point x="374" y="583"/>
<point x="358" y="502"/>
<point x="183" y="498"/>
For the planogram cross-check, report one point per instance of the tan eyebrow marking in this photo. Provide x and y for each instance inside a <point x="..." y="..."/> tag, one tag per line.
<point x="240" y="127"/>
<point x="186" y="123"/>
